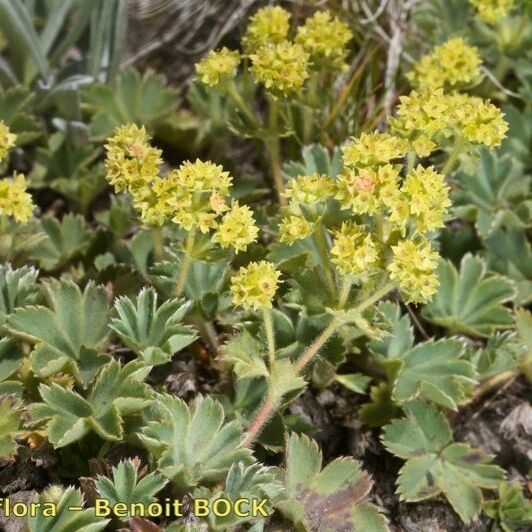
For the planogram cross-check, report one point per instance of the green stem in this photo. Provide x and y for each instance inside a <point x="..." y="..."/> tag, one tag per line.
<point x="269" y="406"/>
<point x="157" y="241"/>
<point x="259" y="420"/>
<point x="323" y="250"/>
<point x="209" y="335"/>
<point x="274" y="151"/>
<point x="344" y="291"/>
<point x="318" y="343"/>
<point x="270" y="337"/>
<point x="185" y="265"/>
<point x="308" y="111"/>
<point x="243" y="106"/>
<point x="448" y="166"/>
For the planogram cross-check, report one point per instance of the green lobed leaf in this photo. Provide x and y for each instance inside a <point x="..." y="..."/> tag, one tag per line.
<point x="327" y="499"/>
<point x="435" y="464"/>
<point x="152" y="331"/>
<point x="511" y="509"/>
<point x="193" y="444"/>
<point x="247" y="482"/>
<point x="65" y="241"/>
<point x="67" y="334"/>
<point x="131" y="98"/>
<point x="65" y="520"/>
<point x="497" y="192"/>
<point x="470" y="300"/>
<point x="10" y="427"/>
<point x="435" y="371"/>
<point x="117" y="392"/>
<point x="18" y="288"/>
<point x="128" y="486"/>
<point x="247" y="355"/>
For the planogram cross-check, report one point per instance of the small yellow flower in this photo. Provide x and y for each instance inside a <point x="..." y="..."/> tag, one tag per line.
<point x="191" y="196"/>
<point x="203" y="176"/>
<point x="413" y="266"/>
<point x="267" y="26"/>
<point x="7" y="140"/>
<point x="131" y="162"/>
<point x="451" y="63"/>
<point x="218" y="67"/>
<point x="325" y="38"/>
<point x="310" y="189"/>
<point x="282" y="68"/>
<point x="237" y="228"/>
<point x="354" y="252"/>
<point x="423" y="146"/>
<point x="428" y="198"/>
<point x="14" y="200"/>
<point x="255" y="286"/>
<point x="364" y="191"/>
<point x="439" y="116"/>
<point x="371" y="149"/>
<point x="423" y="199"/>
<point x="491" y="11"/>
<point x="294" y="227"/>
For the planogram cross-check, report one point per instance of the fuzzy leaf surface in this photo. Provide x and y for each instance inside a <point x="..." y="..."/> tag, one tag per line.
<point x="67" y="334"/>
<point x="152" y="331"/>
<point x="18" y="288"/>
<point x="117" y="392"/>
<point x="65" y="520"/>
<point x="193" y="444"/>
<point x="327" y="499"/>
<point x="470" y="300"/>
<point x="126" y="486"/>
<point x="435" y="464"/>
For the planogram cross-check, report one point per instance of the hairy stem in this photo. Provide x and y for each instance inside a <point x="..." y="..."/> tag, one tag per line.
<point x="157" y="242"/>
<point x="269" y="406"/>
<point x="185" y="265"/>
<point x="344" y="291"/>
<point x="308" y="111"/>
<point x="323" y="250"/>
<point x="270" y="337"/>
<point x="274" y="151"/>
<point x="261" y="418"/>
<point x="243" y="106"/>
<point x="448" y="167"/>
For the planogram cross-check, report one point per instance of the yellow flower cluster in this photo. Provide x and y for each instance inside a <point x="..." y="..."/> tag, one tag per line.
<point x="267" y="26"/>
<point x="423" y="199"/>
<point x="191" y="196"/>
<point x="254" y="286"/>
<point x="491" y="11"/>
<point x="14" y="200"/>
<point x="282" y="68"/>
<point x="194" y="196"/>
<point x="294" y="227"/>
<point x="7" y="140"/>
<point x="309" y="189"/>
<point x="413" y="267"/>
<point x="436" y="116"/>
<point x="364" y="191"/>
<point x="373" y="148"/>
<point x="131" y="161"/>
<point x="354" y="251"/>
<point x="218" y="67"/>
<point x="451" y="63"/>
<point x="325" y="38"/>
<point x="371" y="185"/>
<point x="237" y="228"/>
